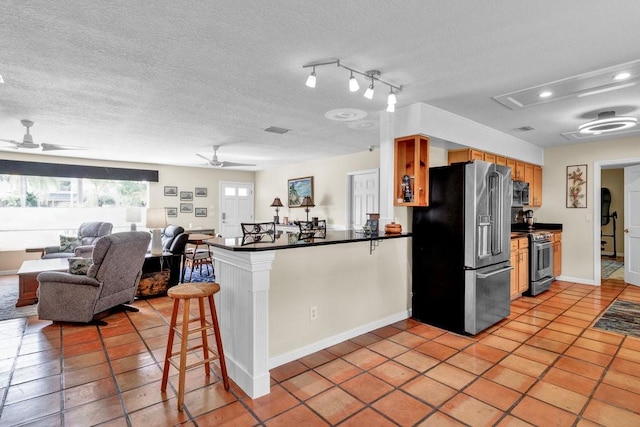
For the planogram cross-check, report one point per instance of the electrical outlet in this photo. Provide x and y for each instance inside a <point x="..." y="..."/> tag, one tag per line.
<point x="313" y="312"/>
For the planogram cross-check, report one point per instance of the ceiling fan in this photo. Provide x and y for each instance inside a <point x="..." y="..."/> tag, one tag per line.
<point x="27" y="141"/>
<point x="213" y="161"/>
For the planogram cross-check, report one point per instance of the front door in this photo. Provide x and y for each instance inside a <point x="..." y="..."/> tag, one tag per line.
<point x="364" y="197"/>
<point x="632" y="225"/>
<point x="236" y="207"/>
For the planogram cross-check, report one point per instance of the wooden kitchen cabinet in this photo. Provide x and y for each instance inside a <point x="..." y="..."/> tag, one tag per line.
<point x="464" y="155"/>
<point x="411" y="159"/>
<point x="556" y="245"/>
<point x="520" y="171"/>
<point x="535" y="187"/>
<point x="520" y="264"/>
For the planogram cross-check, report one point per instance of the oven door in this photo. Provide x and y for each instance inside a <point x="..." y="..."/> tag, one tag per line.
<point x="541" y="260"/>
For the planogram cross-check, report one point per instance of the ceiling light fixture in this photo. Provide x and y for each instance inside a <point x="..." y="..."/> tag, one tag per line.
<point x="374" y="75"/>
<point x="311" y="80"/>
<point x="607" y="121"/>
<point x="622" y="76"/>
<point x="1" y="79"/>
<point x="545" y="94"/>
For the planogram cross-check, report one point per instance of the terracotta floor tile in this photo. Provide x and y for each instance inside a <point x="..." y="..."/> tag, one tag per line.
<point x="571" y="381"/>
<point x="417" y="361"/>
<point x="568" y="329"/>
<point x="439" y="419"/>
<point x="387" y="331"/>
<point x="453" y="341"/>
<point x="345" y="347"/>
<point x="318" y="358"/>
<point x="436" y="350"/>
<point x="139" y="377"/>
<point x="298" y="416"/>
<point x="34" y="388"/>
<point x="557" y="336"/>
<point x="23" y="411"/>
<point x="335" y="405"/>
<point x="450" y="375"/>
<point x="523" y="365"/>
<point x="618" y="397"/>
<point x="500" y="343"/>
<point x="83" y="347"/>
<point x="367" y="417"/>
<point x="365" y="358"/>
<point x="629" y="354"/>
<point x="162" y="414"/>
<point x="366" y="387"/>
<point x="603" y="413"/>
<point x="580" y="367"/>
<point x="306" y="385"/>
<point x="510" y="378"/>
<point x="426" y="331"/>
<point x="125" y="350"/>
<point x="366" y="339"/>
<point x="206" y="399"/>
<point x="84" y="360"/>
<point x="599" y="346"/>
<point x="538" y="354"/>
<point x="89" y="392"/>
<point x="407" y="339"/>
<point x="493" y="393"/>
<point x="471" y="411"/>
<point x="558" y="396"/>
<point x="541" y="413"/>
<point x="338" y="371"/>
<point x="85" y="375"/>
<point x="429" y="390"/>
<point x="547" y="344"/>
<point x="276" y="402"/>
<point x="589" y="355"/>
<point x="387" y="348"/>
<point x="135" y="361"/>
<point x="288" y="370"/>
<point x="402" y="408"/>
<point x="233" y="414"/>
<point x="620" y="380"/>
<point x="486" y="352"/>
<point x="34" y="372"/>
<point x="511" y="421"/>
<point x="625" y="366"/>
<point x="393" y="373"/>
<point x="469" y="363"/>
<point x="33" y="359"/>
<point x="523" y="327"/>
<point x="95" y="412"/>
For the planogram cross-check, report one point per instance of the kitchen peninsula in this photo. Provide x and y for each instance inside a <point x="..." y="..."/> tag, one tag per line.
<point x="281" y="300"/>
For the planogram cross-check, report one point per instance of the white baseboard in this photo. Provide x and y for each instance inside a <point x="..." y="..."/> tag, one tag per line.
<point x="577" y="280"/>
<point x="336" y="339"/>
<point x="8" y="272"/>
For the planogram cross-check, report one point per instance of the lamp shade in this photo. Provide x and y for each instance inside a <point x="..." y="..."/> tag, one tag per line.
<point x="156" y="218"/>
<point x="277" y="203"/>
<point x="307" y="202"/>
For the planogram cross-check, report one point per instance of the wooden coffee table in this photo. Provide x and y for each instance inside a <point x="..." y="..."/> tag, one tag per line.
<point x="28" y="277"/>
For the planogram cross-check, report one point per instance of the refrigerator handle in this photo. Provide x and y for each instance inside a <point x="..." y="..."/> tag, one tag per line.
<point x="495" y="211"/>
<point x="493" y="273"/>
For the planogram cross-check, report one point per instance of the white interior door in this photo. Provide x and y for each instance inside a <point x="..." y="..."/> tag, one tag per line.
<point x="236" y="207"/>
<point x="365" y="197"/>
<point x="632" y="225"/>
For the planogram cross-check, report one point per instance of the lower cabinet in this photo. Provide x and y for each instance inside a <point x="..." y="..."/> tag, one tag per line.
<point x="556" y="245"/>
<point x="520" y="263"/>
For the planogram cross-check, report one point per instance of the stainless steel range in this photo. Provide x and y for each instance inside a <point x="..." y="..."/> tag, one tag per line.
<point x="540" y="262"/>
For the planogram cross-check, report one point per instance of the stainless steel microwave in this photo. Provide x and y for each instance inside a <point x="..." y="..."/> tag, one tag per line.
<point x="520" y="193"/>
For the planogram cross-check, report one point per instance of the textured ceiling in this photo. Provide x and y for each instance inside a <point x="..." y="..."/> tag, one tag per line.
<point x="161" y="81"/>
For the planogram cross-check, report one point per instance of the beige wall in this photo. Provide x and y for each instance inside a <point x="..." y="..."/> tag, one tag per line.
<point x="580" y="244"/>
<point x="613" y="179"/>
<point x="185" y="178"/>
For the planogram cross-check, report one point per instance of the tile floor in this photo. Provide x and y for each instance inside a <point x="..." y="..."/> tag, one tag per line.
<point x="544" y="365"/>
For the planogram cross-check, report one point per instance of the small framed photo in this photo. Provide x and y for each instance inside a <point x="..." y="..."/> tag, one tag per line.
<point x="186" y="196"/>
<point x="201" y="211"/>
<point x="172" y="212"/>
<point x="201" y="192"/>
<point x="186" y="207"/>
<point x="170" y="190"/>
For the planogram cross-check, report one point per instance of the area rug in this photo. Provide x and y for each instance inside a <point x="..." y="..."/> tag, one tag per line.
<point x="206" y="276"/>
<point x="622" y="317"/>
<point x="609" y="266"/>
<point x="618" y="274"/>
<point x="8" y="298"/>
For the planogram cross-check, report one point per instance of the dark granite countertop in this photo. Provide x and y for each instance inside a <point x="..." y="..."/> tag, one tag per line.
<point x="285" y="240"/>
<point x="539" y="226"/>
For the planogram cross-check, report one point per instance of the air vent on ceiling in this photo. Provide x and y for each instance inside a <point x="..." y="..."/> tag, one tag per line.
<point x="525" y="128"/>
<point x="276" y="129"/>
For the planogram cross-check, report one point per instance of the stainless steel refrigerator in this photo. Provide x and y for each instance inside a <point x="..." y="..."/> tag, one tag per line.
<point x="461" y="248"/>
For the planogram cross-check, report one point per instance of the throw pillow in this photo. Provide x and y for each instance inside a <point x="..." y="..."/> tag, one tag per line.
<point x="79" y="265"/>
<point x="68" y="243"/>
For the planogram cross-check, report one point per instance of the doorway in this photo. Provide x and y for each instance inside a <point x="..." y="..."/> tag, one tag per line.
<point x="236" y="207"/>
<point x="364" y="196"/>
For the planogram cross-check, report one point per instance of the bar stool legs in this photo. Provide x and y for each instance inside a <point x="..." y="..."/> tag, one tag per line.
<point x="186" y="292"/>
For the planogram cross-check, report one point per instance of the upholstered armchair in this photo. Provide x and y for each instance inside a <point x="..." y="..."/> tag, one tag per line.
<point x="110" y="281"/>
<point x="174" y="240"/>
<point x="80" y="246"/>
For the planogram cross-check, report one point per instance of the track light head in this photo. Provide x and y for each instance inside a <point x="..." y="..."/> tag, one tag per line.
<point x="391" y="99"/>
<point x="391" y="108"/>
<point x="369" y="92"/>
<point x="311" y="80"/>
<point x="353" y="83"/>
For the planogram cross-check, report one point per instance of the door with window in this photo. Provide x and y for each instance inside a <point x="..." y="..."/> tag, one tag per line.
<point x="236" y="207"/>
<point x="364" y="197"/>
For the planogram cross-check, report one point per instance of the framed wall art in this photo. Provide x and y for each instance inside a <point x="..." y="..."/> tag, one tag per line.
<point x="170" y="190"/>
<point x="577" y="186"/>
<point x="171" y="212"/>
<point x="186" y="195"/>
<point x="186" y="207"/>
<point x="201" y="191"/>
<point x="201" y="212"/>
<point x="298" y="189"/>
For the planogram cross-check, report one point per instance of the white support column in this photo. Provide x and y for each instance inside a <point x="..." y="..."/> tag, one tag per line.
<point x="243" y="312"/>
<point x="386" y="168"/>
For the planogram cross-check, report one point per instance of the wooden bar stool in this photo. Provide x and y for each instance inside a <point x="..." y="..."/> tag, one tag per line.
<point x="186" y="292"/>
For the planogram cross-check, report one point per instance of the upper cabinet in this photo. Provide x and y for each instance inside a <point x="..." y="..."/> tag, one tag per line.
<point x="411" y="178"/>
<point x="520" y="171"/>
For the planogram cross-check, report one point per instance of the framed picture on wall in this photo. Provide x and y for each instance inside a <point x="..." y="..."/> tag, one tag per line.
<point x="186" y="207"/>
<point x="577" y="186"/>
<point x="186" y="195"/>
<point x="201" y="191"/>
<point x="298" y="189"/>
<point x="172" y="212"/>
<point x="201" y="211"/>
<point x="170" y="190"/>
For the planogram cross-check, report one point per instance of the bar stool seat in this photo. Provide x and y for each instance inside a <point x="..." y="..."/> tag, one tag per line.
<point x="187" y="292"/>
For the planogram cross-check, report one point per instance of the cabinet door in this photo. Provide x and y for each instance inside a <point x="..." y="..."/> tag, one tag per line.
<point x="488" y="157"/>
<point x="514" y="272"/>
<point x="457" y="156"/>
<point x="523" y="270"/>
<point x="557" y="254"/>
<point x="528" y="173"/>
<point x="520" y="171"/>
<point x="501" y="160"/>
<point x="512" y="164"/>
<point x="536" y="186"/>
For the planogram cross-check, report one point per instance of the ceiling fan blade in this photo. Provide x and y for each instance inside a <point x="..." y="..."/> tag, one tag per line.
<point x="232" y="164"/>
<point x="10" y="141"/>
<point x="204" y="157"/>
<point x="53" y="147"/>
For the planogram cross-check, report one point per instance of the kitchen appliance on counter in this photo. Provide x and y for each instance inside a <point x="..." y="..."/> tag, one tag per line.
<point x="540" y="262"/>
<point x="461" y="248"/>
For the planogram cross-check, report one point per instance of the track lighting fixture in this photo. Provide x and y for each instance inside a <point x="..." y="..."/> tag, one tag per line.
<point x="353" y="83"/>
<point x="311" y="80"/>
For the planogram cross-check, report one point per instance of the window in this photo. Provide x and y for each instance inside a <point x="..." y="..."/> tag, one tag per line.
<point x="35" y="210"/>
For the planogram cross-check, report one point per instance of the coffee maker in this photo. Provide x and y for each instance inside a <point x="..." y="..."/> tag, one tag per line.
<point x="527" y="218"/>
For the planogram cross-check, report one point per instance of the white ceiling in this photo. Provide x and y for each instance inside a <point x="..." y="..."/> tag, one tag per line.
<point x="161" y="81"/>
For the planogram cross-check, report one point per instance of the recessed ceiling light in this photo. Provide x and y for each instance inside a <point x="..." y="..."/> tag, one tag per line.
<point x="622" y="76"/>
<point x="345" y="114"/>
<point x="545" y="94"/>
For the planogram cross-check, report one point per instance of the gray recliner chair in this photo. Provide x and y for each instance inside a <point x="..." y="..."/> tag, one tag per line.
<point x="88" y="233"/>
<point x="111" y="280"/>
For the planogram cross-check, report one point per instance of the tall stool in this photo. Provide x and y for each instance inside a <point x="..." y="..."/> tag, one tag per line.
<point x="186" y="292"/>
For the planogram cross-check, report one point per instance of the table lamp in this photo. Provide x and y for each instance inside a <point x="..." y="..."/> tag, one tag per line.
<point x="277" y="203"/>
<point x="133" y="215"/>
<point x="306" y="204"/>
<point x="156" y="219"/>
